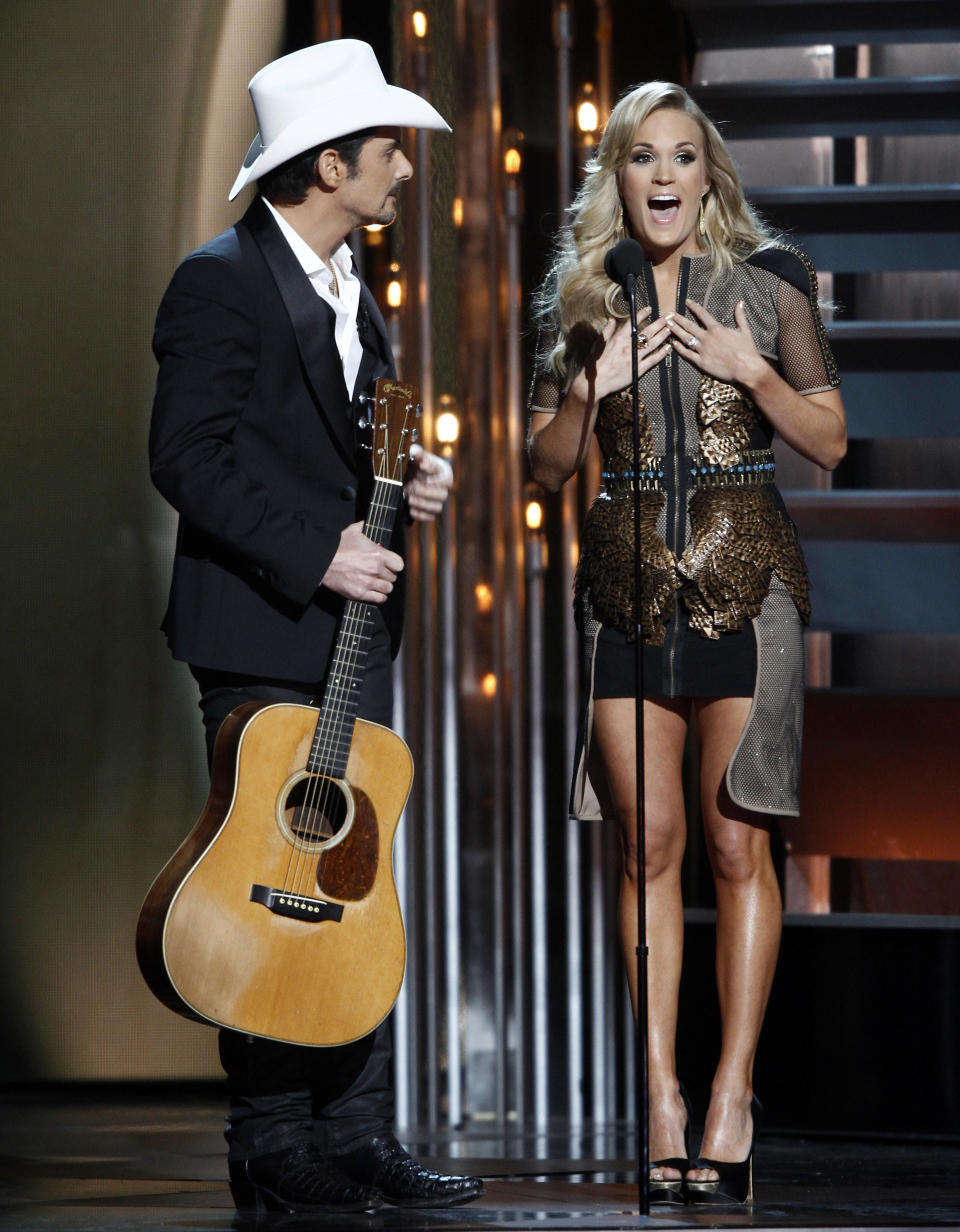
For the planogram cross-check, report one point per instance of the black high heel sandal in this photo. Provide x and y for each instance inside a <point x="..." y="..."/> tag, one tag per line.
<point x="662" y="1191"/>
<point x="734" y="1183"/>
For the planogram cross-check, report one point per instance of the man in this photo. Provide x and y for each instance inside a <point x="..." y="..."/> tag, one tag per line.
<point x="266" y="340"/>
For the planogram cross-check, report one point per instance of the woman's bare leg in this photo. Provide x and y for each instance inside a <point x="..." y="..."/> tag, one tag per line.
<point x="748" y="931"/>
<point x="664" y="731"/>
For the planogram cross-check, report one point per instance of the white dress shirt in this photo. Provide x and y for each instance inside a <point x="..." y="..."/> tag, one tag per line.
<point x="343" y="295"/>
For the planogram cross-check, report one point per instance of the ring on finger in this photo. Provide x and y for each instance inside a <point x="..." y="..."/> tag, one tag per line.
<point x="693" y="343"/>
<point x="641" y="341"/>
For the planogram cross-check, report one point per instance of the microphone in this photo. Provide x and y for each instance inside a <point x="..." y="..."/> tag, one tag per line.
<point x="623" y="262"/>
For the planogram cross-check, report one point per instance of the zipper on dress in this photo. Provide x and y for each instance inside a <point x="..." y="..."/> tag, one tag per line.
<point x="679" y="487"/>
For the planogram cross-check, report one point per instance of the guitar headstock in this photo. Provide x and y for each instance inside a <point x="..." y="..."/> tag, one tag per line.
<point x="391" y="423"/>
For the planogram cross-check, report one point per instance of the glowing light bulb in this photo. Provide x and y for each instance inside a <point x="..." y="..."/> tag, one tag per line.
<point x="588" y="118"/>
<point x="447" y="427"/>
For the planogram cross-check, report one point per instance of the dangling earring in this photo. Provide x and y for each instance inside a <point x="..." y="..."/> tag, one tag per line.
<point x="621" y="230"/>
<point x="701" y="227"/>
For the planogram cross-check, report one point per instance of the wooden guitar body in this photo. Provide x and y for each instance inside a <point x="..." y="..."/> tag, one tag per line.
<point x="266" y="922"/>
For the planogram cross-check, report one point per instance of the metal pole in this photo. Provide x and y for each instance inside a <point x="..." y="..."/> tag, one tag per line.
<point x="536" y="568"/>
<point x="498" y="530"/>
<point x="427" y="662"/>
<point x="450" y="784"/>
<point x="563" y="38"/>
<point x="512" y="616"/>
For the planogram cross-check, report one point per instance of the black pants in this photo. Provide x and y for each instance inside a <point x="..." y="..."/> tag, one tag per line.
<point x="281" y="1094"/>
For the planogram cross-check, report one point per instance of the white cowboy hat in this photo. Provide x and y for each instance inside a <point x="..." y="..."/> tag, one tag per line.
<point x="323" y="92"/>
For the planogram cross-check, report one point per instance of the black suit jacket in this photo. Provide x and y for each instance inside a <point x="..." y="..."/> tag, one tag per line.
<point x="252" y="441"/>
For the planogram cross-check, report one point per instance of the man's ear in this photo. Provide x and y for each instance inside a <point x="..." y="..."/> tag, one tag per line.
<point x="330" y="169"/>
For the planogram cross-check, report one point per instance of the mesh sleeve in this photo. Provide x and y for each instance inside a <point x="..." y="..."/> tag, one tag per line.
<point x="546" y="388"/>
<point x="806" y="360"/>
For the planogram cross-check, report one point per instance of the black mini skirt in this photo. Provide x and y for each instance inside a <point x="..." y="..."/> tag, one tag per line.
<point x="686" y="665"/>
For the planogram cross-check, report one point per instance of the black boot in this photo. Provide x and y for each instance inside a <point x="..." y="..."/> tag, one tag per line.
<point x="383" y="1163"/>
<point x="298" y="1179"/>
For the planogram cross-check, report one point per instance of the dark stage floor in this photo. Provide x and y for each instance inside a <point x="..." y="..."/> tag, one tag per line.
<point x="92" y="1159"/>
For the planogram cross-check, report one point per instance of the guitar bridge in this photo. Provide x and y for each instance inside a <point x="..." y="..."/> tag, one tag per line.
<point x="295" y="906"/>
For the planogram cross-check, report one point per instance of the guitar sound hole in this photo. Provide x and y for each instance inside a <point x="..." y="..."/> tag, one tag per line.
<point x="315" y="811"/>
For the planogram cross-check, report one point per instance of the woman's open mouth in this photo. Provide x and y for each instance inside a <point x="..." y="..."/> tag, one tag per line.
<point x="664" y="208"/>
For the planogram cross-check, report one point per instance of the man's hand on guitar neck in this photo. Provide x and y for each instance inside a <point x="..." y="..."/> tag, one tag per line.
<point x="426" y="484"/>
<point x="362" y="569"/>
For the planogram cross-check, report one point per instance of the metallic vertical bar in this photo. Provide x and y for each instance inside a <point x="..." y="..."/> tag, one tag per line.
<point x="512" y="613"/>
<point x="604" y="58"/>
<point x="428" y="684"/>
<point x="538" y="839"/>
<point x="478" y="372"/>
<point x="327" y="23"/>
<point x="450" y="780"/>
<point x="500" y="829"/>
<point x="600" y="1017"/>
<point x="563" y="38"/>
<point x="404" y="1072"/>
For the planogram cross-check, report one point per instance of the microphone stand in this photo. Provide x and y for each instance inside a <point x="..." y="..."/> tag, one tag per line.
<point x="643" y="1081"/>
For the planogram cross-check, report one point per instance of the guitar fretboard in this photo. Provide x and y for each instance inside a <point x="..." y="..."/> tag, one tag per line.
<point x="341" y="696"/>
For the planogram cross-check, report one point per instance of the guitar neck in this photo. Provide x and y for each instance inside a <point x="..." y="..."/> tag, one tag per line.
<point x="341" y="696"/>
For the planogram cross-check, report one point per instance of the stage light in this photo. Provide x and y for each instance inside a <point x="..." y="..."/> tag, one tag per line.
<point x="456" y="211"/>
<point x="488" y="685"/>
<point x="512" y="161"/>
<point x="534" y="515"/>
<point x="484" y="597"/>
<point x="447" y="427"/>
<point x="394" y="293"/>
<point x="588" y="117"/>
<point x="419" y="22"/>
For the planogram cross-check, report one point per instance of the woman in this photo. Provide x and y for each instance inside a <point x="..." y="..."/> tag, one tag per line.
<point x="732" y="349"/>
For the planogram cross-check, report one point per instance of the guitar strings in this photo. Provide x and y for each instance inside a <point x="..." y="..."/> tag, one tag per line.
<point x="321" y="790"/>
<point x="339" y="698"/>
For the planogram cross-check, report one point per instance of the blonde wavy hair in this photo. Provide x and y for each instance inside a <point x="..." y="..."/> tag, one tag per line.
<point x="576" y="288"/>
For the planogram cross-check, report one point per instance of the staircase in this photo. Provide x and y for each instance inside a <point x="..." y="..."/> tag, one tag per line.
<point x="846" y="119"/>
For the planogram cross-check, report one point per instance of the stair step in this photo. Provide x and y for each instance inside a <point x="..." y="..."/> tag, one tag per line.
<point x="880" y="227"/>
<point x="837" y="106"/>
<point x="888" y="516"/>
<point x="884" y="587"/>
<point x="905" y="345"/>
<point x="896" y="403"/>
<point x="717" y="24"/>
<point x="900" y="378"/>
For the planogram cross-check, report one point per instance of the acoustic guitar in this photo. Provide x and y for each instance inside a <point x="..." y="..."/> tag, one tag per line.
<point x="278" y="915"/>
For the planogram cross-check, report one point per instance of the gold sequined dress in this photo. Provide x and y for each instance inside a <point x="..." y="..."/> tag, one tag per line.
<point x="721" y="558"/>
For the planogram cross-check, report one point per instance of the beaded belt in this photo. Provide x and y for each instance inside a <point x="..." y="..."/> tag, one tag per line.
<point x="755" y="468"/>
<point x="620" y="483"/>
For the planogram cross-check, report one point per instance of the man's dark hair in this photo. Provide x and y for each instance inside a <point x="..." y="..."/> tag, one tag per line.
<point x="289" y="183"/>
